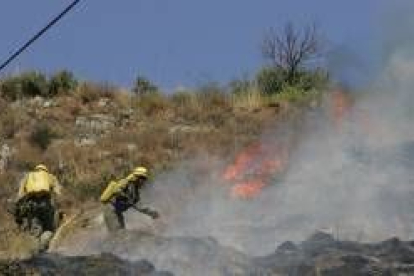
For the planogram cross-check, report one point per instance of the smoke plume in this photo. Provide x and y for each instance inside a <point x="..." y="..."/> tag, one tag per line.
<point x="353" y="179"/>
<point x="348" y="171"/>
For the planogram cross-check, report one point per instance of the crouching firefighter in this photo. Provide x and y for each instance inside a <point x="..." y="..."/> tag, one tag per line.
<point x="35" y="209"/>
<point x="121" y="195"/>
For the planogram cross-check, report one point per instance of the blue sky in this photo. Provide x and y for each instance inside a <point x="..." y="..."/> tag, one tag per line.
<point x="174" y="43"/>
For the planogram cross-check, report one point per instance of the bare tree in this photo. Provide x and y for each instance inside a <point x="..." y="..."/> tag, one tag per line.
<point x="292" y="49"/>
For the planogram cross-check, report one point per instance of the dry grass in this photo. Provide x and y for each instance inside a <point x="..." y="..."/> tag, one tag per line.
<point x="153" y="105"/>
<point x="250" y="100"/>
<point x="160" y="132"/>
<point x="123" y="98"/>
<point x="17" y="245"/>
<point x="8" y="125"/>
<point x="90" y="92"/>
<point x="163" y="130"/>
<point x="25" y="157"/>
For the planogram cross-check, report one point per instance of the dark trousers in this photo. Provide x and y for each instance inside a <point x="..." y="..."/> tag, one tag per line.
<point x="36" y="205"/>
<point x="114" y="218"/>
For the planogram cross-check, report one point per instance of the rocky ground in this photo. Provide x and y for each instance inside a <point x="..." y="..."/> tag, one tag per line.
<point x="104" y="264"/>
<point x="323" y="255"/>
<point x="320" y="254"/>
<point x="86" y="141"/>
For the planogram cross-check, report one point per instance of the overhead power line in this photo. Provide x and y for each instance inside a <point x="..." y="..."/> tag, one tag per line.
<point x="39" y="34"/>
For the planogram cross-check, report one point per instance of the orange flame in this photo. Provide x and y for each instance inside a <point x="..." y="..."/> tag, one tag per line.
<point x="247" y="189"/>
<point x="341" y="104"/>
<point x="253" y="168"/>
<point x="241" y="162"/>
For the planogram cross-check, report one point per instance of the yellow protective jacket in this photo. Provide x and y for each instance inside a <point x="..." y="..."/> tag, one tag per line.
<point x="114" y="188"/>
<point x="39" y="181"/>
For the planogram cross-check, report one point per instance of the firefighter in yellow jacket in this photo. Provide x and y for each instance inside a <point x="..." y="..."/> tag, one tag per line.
<point x="38" y="189"/>
<point x="121" y="195"/>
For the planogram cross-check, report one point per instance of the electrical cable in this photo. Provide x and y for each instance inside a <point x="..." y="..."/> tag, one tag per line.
<point x="39" y="34"/>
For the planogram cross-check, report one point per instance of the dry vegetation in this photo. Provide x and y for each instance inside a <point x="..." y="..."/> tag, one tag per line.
<point x="88" y="133"/>
<point x="98" y="132"/>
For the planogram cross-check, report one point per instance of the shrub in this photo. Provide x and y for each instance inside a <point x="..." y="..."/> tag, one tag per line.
<point x="29" y="84"/>
<point x="315" y="79"/>
<point x="34" y="84"/>
<point x="61" y="83"/>
<point x="41" y="136"/>
<point x="143" y="86"/>
<point x="270" y="80"/>
<point x="297" y="95"/>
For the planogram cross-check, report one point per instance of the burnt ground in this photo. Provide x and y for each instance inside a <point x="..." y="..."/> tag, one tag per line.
<point x="103" y="264"/>
<point x="321" y="254"/>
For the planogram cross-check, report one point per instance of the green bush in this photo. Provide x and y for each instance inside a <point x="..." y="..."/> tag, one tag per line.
<point x="62" y="82"/>
<point x="41" y="136"/>
<point x="28" y="84"/>
<point x="270" y="80"/>
<point x="315" y="79"/>
<point x="297" y="95"/>
<point x="143" y="86"/>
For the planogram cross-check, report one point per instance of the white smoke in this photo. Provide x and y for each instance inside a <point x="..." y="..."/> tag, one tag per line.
<point x="356" y="181"/>
<point x="353" y="181"/>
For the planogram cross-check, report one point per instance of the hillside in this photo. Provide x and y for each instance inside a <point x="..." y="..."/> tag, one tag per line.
<point x="240" y="180"/>
<point x="95" y="132"/>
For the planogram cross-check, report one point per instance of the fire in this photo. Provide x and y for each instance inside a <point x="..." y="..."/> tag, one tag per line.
<point x="341" y="105"/>
<point x="255" y="166"/>
<point x="248" y="189"/>
<point x="241" y="162"/>
<point x="253" y="169"/>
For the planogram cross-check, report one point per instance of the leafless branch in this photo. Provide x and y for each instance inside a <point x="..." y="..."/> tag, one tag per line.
<point x="292" y="48"/>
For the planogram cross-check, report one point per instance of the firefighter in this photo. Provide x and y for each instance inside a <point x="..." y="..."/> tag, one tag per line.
<point x="122" y="195"/>
<point x="37" y="193"/>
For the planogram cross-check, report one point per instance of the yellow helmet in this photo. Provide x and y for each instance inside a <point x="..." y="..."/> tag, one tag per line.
<point x="140" y="171"/>
<point x="41" y="167"/>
